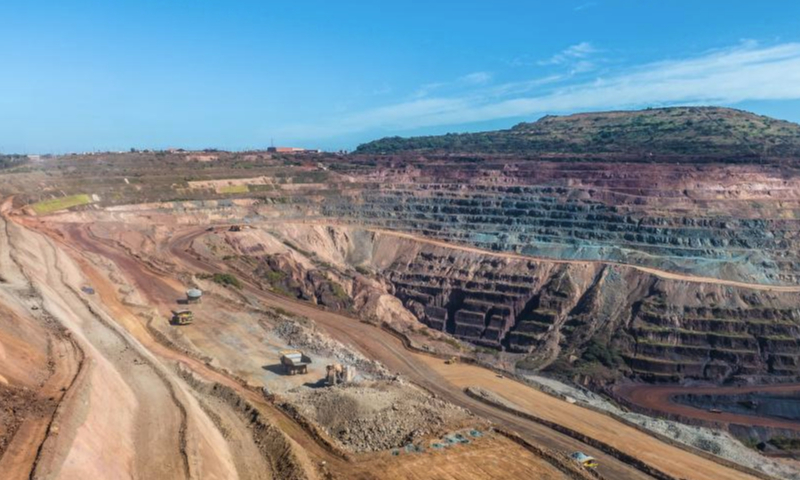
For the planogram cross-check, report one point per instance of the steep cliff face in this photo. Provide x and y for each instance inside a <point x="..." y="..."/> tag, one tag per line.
<point x="584" y="317"/>
<point x="731" y="222"/>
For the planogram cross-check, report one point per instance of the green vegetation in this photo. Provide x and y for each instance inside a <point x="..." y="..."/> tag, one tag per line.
<point x="363" y="270"/>
<point x="297" y="249"/>
<point x="234" y="189"/>
<point x="488" y="351"/>
<point x="226" y="279"/>
<point x="598" y="352"/>
<point x="785" y="443"/>
<point x="55" y="204"/>
<point x="702" y="131"/>
<point x="452" y="342"/>
<point x="9" y="161"/>
<point x="338" y="291"/>
<point x="274" y="276"/>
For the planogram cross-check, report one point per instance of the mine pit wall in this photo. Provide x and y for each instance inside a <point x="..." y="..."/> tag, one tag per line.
<point x="662" y="329"/>
<point x="562" y="222"/>
<point x="730" y="222"/>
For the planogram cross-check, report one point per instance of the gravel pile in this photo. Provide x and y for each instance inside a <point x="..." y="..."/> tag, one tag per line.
<point x="713" y="441"/>
<point x="379" y="415"/>
<point x="308" y="338"/>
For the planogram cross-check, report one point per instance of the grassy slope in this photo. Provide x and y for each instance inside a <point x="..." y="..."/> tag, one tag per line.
<point x="671" y="131"/>
<point x="53" y="205"/>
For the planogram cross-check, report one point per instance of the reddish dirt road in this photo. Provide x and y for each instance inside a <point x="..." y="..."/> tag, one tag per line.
<point x="659" y="398"/>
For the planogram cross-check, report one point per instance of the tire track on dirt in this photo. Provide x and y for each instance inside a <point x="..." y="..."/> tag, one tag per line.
<point x="25" y="449"/>
<point x="116" y="349"/>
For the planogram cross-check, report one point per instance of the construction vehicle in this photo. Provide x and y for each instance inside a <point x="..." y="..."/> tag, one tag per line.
<point x="586" y="461"/>
<point x="338" y="373"/>
<point x="451" y="360"/>
<point x="182" y="317"/>
<point x="294" y="362"/>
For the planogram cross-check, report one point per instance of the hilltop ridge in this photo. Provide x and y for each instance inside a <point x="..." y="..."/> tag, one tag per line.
<point x="714" y="131"/>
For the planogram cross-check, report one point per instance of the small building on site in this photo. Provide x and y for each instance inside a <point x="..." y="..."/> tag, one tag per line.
<point x="193" y="295"/>
<point x="292" y="150"/>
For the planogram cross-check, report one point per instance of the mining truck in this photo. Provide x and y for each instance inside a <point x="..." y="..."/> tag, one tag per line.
<point x="586" y="461"/>
<point x="294" y="362"/>
<point x="182" y="317"/>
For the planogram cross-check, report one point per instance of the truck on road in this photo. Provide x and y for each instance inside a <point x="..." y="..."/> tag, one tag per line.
<point x="295" y="361"/>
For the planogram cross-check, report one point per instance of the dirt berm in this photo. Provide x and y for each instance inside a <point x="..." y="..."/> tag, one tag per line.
<point x="276" y="447"/>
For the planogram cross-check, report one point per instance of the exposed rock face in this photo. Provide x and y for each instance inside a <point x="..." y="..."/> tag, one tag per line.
<point x="662" y="329"/>
<point x="651" y="327"/>
<point x="287" y="276"/>
<point x="656" y="216"/>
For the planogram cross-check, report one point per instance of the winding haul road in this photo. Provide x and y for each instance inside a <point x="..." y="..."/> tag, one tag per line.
<point x="449" y="382"/>
<point x="659" y="397"/>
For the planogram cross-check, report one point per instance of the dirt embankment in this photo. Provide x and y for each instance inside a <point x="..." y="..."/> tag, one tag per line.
<point x="274" y="445"/>
<point x="39" y="364"/>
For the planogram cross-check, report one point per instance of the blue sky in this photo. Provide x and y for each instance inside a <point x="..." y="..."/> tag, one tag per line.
<point x="78" y="75"/>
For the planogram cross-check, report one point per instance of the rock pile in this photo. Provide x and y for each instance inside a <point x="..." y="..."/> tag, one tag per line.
<point x="307" y="337"/>
<point x="379" y="415"/>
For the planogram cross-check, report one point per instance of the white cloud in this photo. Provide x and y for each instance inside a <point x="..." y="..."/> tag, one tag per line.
<point x="427" y="89"/>
<point x="476" y="78"/>
<point x="570" y="54"/>
<point x="728" y="76"/>
<point x="585" y="6"/>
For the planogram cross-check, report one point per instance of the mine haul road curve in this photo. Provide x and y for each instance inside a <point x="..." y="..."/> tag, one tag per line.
<point x="449" y="382"/>
<point x="660" y="398"/>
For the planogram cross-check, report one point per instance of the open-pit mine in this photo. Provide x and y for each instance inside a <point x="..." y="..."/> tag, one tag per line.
<point x="610" y="295"/>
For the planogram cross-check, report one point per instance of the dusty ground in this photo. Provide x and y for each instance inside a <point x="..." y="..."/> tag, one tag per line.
<point x="378" y="416"/>
<point x="487" y="458"/>
<point x="715" y="441"/>
<point x="191" y="431"/>
<point x="378" y="344"/>
<point x="666" y="458"/>
<point x="166" y="427"/>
